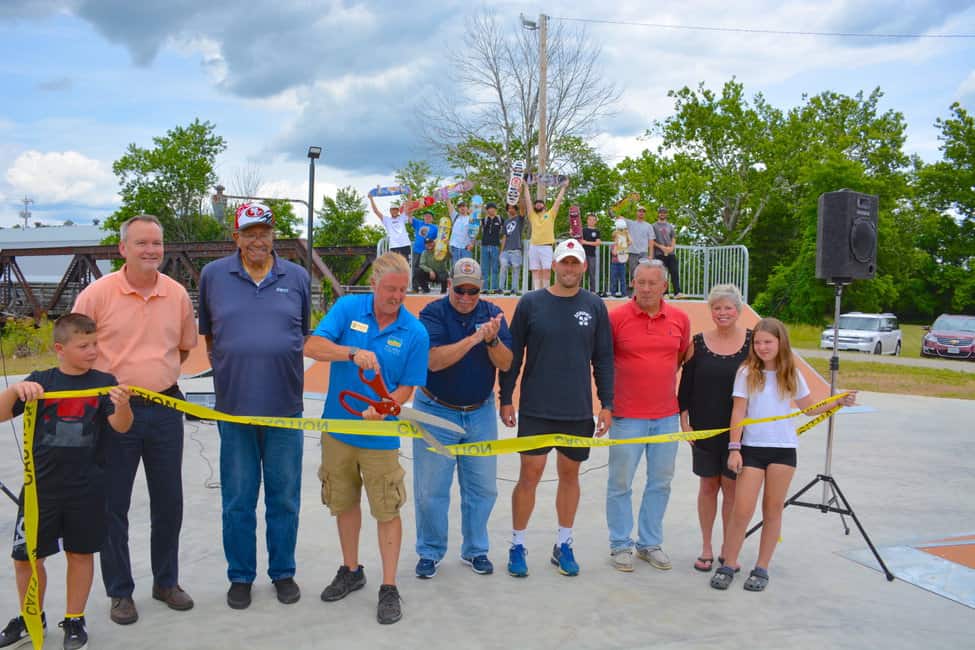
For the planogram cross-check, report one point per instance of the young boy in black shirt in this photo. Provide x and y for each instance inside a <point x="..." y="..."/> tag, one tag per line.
<point x="68" y="464"/>
<point x="591" y="242"/>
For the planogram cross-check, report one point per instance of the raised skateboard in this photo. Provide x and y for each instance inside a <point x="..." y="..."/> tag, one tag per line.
<point x="453" y="190"/>
<point x="475" y="223"/>
<point x="549" y="180"/>
<point x="515" y="181"/>
<point x="389" y="190"/>
<point x="575" y="222"/>
<point x="441" y="249"/>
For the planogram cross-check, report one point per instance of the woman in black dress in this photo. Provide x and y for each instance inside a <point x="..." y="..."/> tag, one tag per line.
<point x="705" y="403"/>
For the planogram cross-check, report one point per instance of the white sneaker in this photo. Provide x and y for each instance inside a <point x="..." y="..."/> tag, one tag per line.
<point x="656" y="557"/>
<point x="622" y="559"/>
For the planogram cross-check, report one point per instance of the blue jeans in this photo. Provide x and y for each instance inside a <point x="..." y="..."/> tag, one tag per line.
<point x="155" y="439"/>
<point x="433" y="475"/>
<point x="244" y="450"/>
<point x="512" y="259"/>
<point x="457" y="254"/>
<point x="623" y="461"/>
<point x="489" y="266"/>
<point x="617" y="278"/>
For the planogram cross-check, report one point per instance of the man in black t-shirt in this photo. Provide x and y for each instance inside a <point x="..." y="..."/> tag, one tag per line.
<point x="591" y="242"/>
<point x="563" y="334"/>
<point x="68" y="470"/>
<point x="490" y="243"/>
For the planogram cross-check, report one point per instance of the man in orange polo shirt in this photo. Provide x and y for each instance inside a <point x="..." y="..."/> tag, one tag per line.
<point x="146" y="328"/>
<point x="650" y="339"/>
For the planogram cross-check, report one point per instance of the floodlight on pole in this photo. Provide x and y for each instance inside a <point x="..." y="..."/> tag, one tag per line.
<point x="528" y="24"/>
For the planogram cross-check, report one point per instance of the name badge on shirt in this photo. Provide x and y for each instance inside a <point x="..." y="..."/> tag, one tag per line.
<point x="359" y="327"/>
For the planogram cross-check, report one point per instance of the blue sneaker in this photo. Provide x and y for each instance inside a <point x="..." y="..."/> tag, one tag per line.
<point x="480" y="563"/>
<point x="517" y="565"/>
<point x="426" y="569"/>
<point x="565" y="560"/>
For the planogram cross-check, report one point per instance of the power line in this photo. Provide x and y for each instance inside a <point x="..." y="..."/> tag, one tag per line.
<point x="747" y="30"/>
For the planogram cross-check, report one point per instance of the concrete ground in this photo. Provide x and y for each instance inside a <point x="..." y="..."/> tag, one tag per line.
<point x="906" y="468"/>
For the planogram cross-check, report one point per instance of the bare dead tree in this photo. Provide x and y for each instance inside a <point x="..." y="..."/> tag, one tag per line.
<point x="246" y="181"/>
<point x="490" y="92"/>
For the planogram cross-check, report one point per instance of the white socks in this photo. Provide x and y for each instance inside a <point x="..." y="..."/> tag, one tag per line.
<point x="565" y="535"/>
<point x="517" y="537"/>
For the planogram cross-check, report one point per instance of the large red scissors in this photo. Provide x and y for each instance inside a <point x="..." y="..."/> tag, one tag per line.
<point x="386" y="405"/>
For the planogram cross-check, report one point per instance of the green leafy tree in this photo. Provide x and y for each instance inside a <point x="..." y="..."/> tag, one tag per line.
<point x="171" y="180"/>
<point x="341" y="222"/>
<point x="287" y="224"/>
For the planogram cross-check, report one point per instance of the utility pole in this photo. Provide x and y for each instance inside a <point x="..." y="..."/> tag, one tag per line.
<point x="542" y="101"/>
<point x="25" y="213"/>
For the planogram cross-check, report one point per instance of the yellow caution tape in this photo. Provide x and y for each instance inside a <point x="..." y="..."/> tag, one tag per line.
<point x="403" y="429"/>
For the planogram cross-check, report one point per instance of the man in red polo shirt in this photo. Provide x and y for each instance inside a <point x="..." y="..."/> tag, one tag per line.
<point x="649" y="341"/>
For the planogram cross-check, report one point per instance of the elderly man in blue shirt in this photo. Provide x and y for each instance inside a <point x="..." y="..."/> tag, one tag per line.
<point x="374" y="332"/>
<point x="469" y="343"/>
<point x="254" y="312"/>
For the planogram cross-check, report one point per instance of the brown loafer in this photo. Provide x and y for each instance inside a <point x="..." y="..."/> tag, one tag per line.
<point x="123" y="611"/>
<point x="174" y="597"/>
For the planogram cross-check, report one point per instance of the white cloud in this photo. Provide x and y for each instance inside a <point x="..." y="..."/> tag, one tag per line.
<point x="62" y="177"/>
<point x="967" y="87"/>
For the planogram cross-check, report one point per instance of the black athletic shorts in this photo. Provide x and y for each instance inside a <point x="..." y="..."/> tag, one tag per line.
<point x="762" y="457"/>
<point x="529" y="425"/>
<point x="76" y="517"/>
<point x="708" y="462"/>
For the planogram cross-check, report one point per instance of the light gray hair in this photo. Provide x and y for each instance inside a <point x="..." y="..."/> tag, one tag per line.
<point x="728" y="292"/>
<point x="146" y="218"/>
<point x="648" y="263"/>
<point x="389" y="262"/>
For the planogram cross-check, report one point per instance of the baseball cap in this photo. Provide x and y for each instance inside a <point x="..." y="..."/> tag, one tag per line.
<point x="620" y="224"/>
<point x="569" y="248"/>
<point x="490" y="204"/>
<point x="466" y="271"/>
<point x="661" y="210"/>
<point x="640" y="207"/>
<point x="253" y="214"/>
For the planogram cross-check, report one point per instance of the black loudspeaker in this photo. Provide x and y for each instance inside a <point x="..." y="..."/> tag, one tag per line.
<point x="846" y="236"/>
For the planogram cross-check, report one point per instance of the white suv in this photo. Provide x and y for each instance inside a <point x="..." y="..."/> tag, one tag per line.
<point x="874" y="333"/>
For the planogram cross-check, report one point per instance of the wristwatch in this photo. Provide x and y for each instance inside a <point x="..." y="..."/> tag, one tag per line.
<point x="493" y="342"/>
<point x="352" y="352"/>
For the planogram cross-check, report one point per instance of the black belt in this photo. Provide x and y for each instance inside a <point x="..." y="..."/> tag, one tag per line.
<point x="172" y="391"/>
<point x="454" y="407"/>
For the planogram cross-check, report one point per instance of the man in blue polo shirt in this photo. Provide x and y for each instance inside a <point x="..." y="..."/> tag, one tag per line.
<point x="254" y="312"/>
<point x="469" y="343"/>
<point x="376" y="333"/>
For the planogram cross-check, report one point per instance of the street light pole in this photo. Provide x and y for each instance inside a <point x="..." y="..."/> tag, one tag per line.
<point x="314" y="153"/>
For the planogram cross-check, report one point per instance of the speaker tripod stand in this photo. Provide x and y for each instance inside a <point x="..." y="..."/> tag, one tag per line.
<point x="833" y="499"/>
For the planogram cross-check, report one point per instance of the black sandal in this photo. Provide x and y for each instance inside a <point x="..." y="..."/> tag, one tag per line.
<point x="757" y="580"/>
<point x="722" y="578"/>
<point x="704" y="564"/>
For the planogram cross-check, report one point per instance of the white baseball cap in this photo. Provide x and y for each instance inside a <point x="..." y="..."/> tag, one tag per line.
<point x="570" y="248"/>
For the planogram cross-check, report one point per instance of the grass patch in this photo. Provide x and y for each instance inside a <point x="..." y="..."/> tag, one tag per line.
<point x="902" y="380"/>
<point x="808" y="336"/>
<point x="24" y="365"/>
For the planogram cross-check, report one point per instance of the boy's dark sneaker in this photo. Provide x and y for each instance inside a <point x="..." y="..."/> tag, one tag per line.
<point x="75" y="634"/>
<point x="239" y="595"/>
<point x="344" y="583"/>
<point x="288" y="591"/>
<point x="389" y="610"/>
<point x="479" y="563"/>
<point x="15" y="634"/>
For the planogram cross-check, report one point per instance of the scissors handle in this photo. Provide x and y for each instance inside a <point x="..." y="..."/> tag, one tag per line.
<point x="386" y="405"/>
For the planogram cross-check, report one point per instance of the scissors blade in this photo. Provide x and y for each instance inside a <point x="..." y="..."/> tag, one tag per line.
<point x="408" y="413"/>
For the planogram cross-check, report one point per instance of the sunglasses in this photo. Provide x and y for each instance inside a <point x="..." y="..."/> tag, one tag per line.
<point x="461" y="291"/>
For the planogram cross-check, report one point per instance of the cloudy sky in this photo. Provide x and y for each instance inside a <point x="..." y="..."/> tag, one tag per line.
<point x="83" y="78"/>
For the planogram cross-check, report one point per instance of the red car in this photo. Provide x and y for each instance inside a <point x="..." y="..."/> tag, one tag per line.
<point x="950" y="337"/>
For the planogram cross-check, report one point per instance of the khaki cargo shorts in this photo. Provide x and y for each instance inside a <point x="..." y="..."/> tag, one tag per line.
<point x="346" y="469"/>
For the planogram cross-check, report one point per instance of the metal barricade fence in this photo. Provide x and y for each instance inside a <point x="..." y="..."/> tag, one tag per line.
<point x="699" y="267"/>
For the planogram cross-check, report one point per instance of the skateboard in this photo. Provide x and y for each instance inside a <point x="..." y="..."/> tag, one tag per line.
<point x="632" y="197"/>
<point x="575" y="222"/>
<point x="416" y="204"/>
<point x="475" y="223"/>
<point x="441" y="249"/>
<point x="550" y="180"/>
<point x="389" y="190"/>
<point x="451" y="191"/>
<point x="515" y="181"/>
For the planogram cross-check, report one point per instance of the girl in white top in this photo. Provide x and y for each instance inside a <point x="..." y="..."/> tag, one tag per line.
<point x="765" y="453"/>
